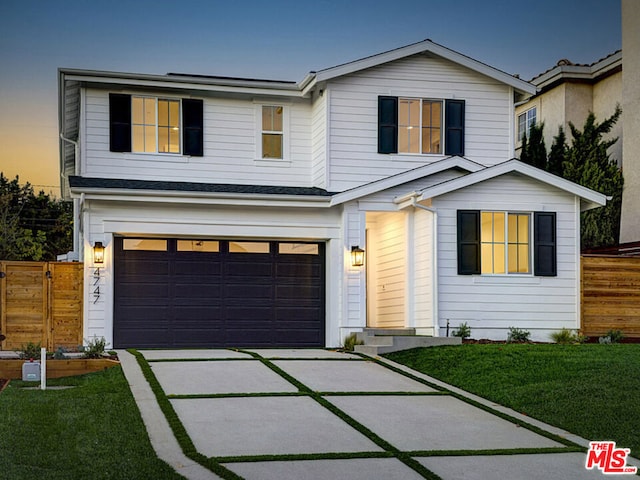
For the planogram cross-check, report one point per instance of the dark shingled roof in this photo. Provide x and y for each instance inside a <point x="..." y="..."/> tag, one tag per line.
<point x="125" y="184"/>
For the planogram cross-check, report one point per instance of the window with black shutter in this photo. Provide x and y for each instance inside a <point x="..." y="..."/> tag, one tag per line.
<point x="387" y="124"/>
<point x="454" y="127"/>
<point x="545" y="250"/>
<point x="468" y="242"/>
<point x="119" y="122"/>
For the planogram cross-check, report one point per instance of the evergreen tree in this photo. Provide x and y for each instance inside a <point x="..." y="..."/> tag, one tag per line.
<point x="588" y="163"/>
<point x="558" y="153"/>
<point x="534" y="151"/>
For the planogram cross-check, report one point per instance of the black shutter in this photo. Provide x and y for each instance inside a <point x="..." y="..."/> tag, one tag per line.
<point x="119" y="122"/>
<point x="544" y="225"/>
<point x="192" y="127"/>
<point x="468" y="242"/>
<point x="454" y="127"/>
<point x="387" y="124"/>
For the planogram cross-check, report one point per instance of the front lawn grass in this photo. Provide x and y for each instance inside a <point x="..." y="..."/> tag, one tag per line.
<point x="93" y="430"/>
<point x="590" y="390"/>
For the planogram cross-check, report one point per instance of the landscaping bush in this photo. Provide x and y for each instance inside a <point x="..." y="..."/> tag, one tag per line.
<point x="351" y="341"/>
<point x="95" y="348"/>
<point x="516" y="335"/>
<point x="463" y="331"/>
<point x="564" y="336"/>
<point x="30" y="350"/>
<point x="612" y="336"/>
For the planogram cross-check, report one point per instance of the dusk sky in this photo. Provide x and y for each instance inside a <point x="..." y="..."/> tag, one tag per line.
<point x="281" y="40"/>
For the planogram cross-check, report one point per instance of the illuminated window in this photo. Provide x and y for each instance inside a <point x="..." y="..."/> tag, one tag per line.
<point x="419" y="126"/>
<point x="155" y="125"/>
<point x="148" y="244"/>
<point x="505" y="243"/>
<point x="272" y="131"/>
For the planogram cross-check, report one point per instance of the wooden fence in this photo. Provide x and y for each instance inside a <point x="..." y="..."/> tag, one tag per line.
<point x="610" y="295"/>
<point x="41" y="302"/>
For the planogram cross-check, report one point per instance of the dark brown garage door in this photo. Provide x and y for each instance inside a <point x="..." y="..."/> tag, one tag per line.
<point x="218" y="293"/>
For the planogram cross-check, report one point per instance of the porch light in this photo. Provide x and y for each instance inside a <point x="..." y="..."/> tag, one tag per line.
<point x="98" y="253"/>
<point x="357" y="256"/>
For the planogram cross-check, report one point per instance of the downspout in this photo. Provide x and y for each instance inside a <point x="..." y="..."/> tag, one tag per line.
<point x="434" y="266"/>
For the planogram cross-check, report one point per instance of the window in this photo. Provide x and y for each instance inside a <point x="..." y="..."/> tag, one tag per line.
<point x="420" y="126"/>
<point x="525" y="120"/>
<point x="155" y="125"/>
<point x="502" y="243"/>
<point x="272" y="131"/>
<point x="147" y="244"/>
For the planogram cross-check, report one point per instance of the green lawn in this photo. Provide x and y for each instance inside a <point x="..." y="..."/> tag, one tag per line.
<point x="93" y="431"/>
<point x="590" y="390"/>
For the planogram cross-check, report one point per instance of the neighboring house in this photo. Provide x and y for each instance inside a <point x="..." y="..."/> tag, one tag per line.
<point x="567" y="93"/>
<point x="230" y="210"/>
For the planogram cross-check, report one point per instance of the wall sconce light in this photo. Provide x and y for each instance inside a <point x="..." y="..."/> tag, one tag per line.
<point x="98" y="253"/>
<point x="357" y="256"/>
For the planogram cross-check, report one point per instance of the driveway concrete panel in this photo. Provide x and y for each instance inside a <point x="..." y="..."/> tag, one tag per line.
<point x="192" y="354"/>
<point x="266" y="425"/>
<point x="245" y="376"/>
<point x="303" y="353"/>
<point x="436" y="423"/>
<point x="349" y="376"/>
<point x="558" y="466"/>
<point x="353" y="469"/>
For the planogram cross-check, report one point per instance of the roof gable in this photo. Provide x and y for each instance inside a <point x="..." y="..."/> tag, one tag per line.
<point x="589" y="198"/>
<point x="413" y="49"/>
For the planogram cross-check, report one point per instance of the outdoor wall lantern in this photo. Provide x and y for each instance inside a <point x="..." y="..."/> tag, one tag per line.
<point x="98" y="253"/>
<point x="357" y="256"/>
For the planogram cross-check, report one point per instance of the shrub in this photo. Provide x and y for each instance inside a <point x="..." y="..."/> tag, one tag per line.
<point x="463" y="331"/>
<point x="612" y="336"/>
<point x="517" y="335"/>
<point x="95" y="348"/>
<point x="30" y="350"/>
<point x="564" y="336"/>
<point x="351" y="341"/>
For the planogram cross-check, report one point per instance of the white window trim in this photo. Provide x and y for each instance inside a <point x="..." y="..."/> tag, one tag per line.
<point x="180" y="126"/>
<point x="442" y="123"/>
<point x="526" y="121"/>
<point x="506" y="243"/>
<point x="286" y="133"/>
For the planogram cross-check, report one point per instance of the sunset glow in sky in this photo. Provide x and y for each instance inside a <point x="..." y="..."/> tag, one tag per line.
<point x="281" y="40"/>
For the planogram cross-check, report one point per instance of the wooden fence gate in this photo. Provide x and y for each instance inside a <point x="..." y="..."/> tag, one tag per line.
<point x="610" y="295"/>
<point x="41" y="302"/>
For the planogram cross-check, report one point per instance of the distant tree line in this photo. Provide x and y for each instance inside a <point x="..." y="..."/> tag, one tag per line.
<point x="32" y="226"/>
<point x="586" y="162"/>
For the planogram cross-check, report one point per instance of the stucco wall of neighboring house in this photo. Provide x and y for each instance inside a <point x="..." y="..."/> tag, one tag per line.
<point x="630" y="228"/>
<point x="606" y="95"/>
<point x="490" y="304"/>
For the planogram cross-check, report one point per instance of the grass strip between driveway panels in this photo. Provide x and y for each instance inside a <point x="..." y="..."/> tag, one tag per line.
<point x="215" y="464"/>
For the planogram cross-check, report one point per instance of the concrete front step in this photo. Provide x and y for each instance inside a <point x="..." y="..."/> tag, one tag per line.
<point x="378" y="344"/>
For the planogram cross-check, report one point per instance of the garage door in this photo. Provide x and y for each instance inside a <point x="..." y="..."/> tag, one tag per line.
<point x="218" y="293"/>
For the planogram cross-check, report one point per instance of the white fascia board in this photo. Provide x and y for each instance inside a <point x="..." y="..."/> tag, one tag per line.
<point x="405" y="177"/>
<point x="590" y="198"/>
<point x="201" y="198"/>
<point x="180" y="83"/>
<point x="416" y="48"/>
<point x="579" y="72"/>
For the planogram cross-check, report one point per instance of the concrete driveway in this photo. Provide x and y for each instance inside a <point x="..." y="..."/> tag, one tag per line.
<point x="318" y="414"/>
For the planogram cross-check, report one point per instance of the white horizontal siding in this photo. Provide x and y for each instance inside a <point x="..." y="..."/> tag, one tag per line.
<point x="319" y="142"/>
<point x="422" y="295"/>
<point x="488" y="303"/>
<point x="353" y="112"/>
<point x="229" y="148"/>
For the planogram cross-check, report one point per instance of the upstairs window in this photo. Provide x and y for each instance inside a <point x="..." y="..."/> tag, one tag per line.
<point x="420" y="126"/>
<point x="272" y="131"/>
<point x="155" y="125"/>
<point x="525" y="120"/>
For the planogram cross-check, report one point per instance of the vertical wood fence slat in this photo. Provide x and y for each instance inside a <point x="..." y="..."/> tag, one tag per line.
<point x="610" y="291"/>
<point x="36" y="307"/>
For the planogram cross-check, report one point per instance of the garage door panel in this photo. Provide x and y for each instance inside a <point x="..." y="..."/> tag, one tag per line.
<point x="230" y="297"/>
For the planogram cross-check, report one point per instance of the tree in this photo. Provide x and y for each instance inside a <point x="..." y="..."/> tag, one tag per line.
<point x="588" y="163"/>
<point x="558" y="153"/>
<point x="534" y="151"/>
<point x="32" y="227"/>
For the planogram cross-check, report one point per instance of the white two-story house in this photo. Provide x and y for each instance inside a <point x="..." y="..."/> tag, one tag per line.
<point x="213" y="211"/>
